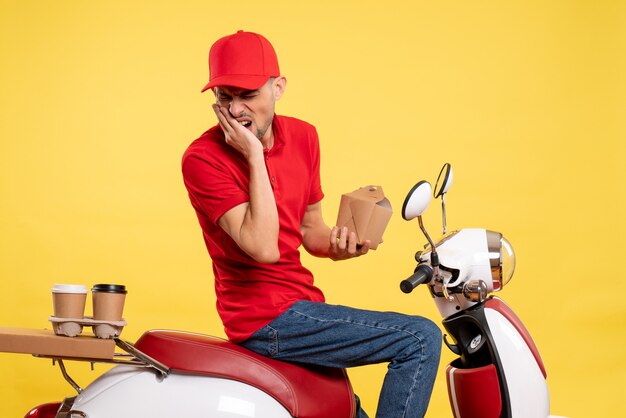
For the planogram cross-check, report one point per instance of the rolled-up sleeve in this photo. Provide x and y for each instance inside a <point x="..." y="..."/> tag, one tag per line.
<point x="212" y="187"/>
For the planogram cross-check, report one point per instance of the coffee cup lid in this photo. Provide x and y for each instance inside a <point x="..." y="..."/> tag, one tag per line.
<point x="69" y="288"/>
<point x="111" y="288"/>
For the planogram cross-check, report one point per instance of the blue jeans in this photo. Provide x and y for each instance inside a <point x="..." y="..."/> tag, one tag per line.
<point x="339" y="336"/>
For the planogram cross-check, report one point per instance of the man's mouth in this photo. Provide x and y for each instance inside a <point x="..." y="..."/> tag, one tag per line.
<point x="246" y="123"/>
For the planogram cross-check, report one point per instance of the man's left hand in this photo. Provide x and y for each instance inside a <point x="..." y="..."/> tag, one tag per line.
<point x="343" y="245"/>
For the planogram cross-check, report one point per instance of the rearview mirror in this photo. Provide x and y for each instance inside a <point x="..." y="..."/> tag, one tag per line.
<point x="444" y="180"/>
<point x="417" y="200"/>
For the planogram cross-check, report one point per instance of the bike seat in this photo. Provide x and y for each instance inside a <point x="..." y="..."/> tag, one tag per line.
<point x="306" y="392"/>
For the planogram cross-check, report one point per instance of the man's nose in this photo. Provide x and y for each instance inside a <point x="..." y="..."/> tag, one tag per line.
<point x="236" y="106"/>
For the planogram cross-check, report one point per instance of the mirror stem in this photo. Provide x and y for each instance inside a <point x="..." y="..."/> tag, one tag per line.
<point x="430" y="241"/>
<point x="443" y="212"/>
<point x="434" y="257"/>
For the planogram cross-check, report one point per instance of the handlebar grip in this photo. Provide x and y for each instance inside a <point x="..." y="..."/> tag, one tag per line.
<point x="423" y="273"/>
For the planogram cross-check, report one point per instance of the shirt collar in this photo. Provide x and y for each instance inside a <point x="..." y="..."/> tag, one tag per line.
<point x="277" y="130"/>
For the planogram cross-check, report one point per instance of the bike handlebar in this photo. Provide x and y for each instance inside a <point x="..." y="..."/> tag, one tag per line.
<point x="422" y="274"/>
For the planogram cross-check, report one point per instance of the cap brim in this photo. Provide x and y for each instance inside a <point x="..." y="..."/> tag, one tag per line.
<point x="248" y="82"/>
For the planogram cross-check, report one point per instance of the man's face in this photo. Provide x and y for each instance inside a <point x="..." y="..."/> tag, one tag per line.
<point x="254" y="109"/>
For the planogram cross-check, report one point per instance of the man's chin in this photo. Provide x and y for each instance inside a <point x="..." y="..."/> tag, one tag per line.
<point x="260" y="133"/>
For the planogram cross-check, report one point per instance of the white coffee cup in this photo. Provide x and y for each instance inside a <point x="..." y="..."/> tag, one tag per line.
<point x="68" y="300"/>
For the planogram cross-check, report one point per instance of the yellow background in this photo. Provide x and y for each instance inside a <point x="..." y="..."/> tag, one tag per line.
<point x="98" y="100"/>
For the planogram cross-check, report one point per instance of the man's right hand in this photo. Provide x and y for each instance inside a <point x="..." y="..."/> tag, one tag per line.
<point x="236" y="135"/>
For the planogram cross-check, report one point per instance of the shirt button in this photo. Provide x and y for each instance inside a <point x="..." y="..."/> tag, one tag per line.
<point x="273" y="179"/>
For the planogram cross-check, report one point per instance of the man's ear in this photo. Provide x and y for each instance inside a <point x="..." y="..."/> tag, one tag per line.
<point x="279" y="86"/>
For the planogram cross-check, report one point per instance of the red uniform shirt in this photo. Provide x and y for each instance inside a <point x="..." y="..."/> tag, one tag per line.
<point x="250" y="294"/>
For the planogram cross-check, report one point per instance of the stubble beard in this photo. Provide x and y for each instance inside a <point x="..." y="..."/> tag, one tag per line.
<point x="260" y="132"/>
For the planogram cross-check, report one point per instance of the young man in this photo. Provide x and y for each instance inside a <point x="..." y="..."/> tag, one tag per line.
<point x="254" y="182"/>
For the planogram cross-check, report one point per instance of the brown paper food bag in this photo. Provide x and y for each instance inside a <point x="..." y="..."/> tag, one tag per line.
<point x="366" y="212"/>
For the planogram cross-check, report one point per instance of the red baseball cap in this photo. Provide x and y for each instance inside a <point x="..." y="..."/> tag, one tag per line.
<point x="245" y="60"/>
